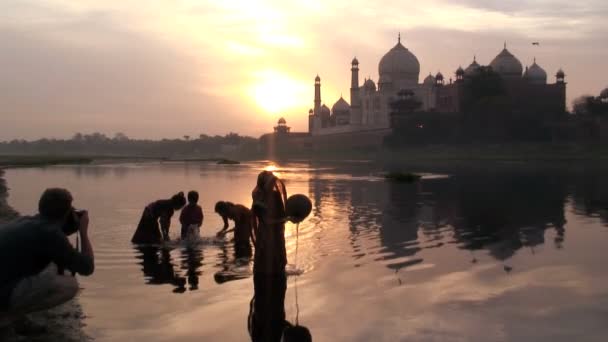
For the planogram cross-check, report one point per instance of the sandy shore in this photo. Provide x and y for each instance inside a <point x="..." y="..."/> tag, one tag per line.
<point x="63" y="323"/>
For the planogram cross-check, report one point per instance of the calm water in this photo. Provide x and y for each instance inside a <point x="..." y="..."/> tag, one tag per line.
<point x="467" y="254"/>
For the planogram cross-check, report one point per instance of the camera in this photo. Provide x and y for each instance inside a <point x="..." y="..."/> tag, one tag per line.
<point x="72" y="223"/>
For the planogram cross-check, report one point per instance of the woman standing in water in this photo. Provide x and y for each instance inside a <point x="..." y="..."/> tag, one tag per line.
<point x="267" y="319"/>
<point x="159" y="211"/>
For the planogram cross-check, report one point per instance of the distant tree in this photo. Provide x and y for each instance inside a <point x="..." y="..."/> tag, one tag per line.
<point x="590" y="105"/>
<point x="186" y="137"/>
<point x="121" y="137"/>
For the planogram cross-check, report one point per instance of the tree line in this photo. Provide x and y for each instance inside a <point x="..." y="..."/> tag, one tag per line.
<point x="121" y="145"/>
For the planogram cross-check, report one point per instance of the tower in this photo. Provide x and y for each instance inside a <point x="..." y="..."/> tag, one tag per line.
<point x="317" y="108"/>
<point x="355" y="101"/>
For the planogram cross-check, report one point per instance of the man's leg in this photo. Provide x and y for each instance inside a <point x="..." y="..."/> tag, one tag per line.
<point x="42" y="291"/>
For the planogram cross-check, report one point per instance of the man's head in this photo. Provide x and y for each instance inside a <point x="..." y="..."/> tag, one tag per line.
<point x="192" y="197"/>
<point x="55" y="205"/>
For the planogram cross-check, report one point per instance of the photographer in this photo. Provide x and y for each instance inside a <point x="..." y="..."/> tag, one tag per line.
<point x="34" y="251"/>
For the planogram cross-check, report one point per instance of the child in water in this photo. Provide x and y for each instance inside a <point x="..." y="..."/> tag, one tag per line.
<point x="191" y="217"/>
<point x="154" y="213"/>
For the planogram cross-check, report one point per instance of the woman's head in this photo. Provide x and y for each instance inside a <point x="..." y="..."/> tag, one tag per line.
<point x="178" y="200"/>
<point x="222" y="207"/>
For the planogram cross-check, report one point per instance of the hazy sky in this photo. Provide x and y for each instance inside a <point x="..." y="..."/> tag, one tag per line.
<point x="170" y="68"/>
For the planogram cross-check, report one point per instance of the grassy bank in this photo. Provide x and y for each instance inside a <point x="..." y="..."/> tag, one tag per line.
<point x="7" y="161"/>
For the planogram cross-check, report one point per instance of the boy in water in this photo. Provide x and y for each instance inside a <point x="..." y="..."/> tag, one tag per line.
<point x="243" y="220"/>
<point x="191" y="217"/>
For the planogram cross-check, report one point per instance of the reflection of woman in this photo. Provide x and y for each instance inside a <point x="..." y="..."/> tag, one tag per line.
<point x="158" y="267"/>
<point x="266" y="321"/>
<point x="162" y="210"/>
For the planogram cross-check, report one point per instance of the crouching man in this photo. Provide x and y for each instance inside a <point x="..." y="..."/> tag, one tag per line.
<point x="37" y="261"/>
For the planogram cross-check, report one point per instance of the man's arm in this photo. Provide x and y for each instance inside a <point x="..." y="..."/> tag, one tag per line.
<point x="64" y="255"/>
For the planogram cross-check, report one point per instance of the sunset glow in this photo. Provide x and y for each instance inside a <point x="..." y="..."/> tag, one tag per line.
<point x="275" y="92"/>
<point x="240" y="65"/>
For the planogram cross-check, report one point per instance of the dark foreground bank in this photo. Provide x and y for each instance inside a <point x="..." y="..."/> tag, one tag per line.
<point x="63" y="323"/>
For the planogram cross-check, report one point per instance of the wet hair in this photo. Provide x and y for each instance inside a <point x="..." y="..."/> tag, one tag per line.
<point x="55" y="203"/>
<point x="179" y="200"/>
<point x="192" y="196"/>
<point x="222" y="207"/>
<point x="262" y="178"/>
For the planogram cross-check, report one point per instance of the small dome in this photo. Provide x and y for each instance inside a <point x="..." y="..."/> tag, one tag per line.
<point x="536" y="74"/>
<point x="369" y="85"/>
<point x="429" y="80"/>
<point x="459" y="71"/>
<point x="560" y="74"/>
<point x="472" y="68"/>
<point x="310" y="111"/>
<point x="317" y="79"/>
<point x="282" y="121"/>
<point x="340" y="106"/>
<point x="506" y="64"/>
<point x="355" y="61"/>
<point x="325" y="110"/>
<point x="604" y="94"/>
<point x="439" y="76"/>
<point x="400" y="64"/>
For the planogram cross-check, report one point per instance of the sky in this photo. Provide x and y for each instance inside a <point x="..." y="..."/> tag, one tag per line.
<point x="155" y="69"/>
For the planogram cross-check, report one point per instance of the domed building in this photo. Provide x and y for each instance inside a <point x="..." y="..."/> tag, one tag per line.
<point x="535" y="74"/>
<point x="507" y="65"/>
<point x="281" y="127"/>
<point x="340" y="112"/>
<point x="399" y="69"/>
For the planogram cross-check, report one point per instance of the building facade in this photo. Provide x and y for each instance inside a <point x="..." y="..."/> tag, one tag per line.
<point x="399" y="69"/>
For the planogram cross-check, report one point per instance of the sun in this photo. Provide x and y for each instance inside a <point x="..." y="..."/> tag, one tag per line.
<point x="276" y="92"/>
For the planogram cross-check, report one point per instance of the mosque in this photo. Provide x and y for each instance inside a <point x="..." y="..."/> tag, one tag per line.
<point x="399" y="69"/>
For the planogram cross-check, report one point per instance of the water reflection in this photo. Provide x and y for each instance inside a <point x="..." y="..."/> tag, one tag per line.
<point x="158" y="267"/>
<point x="266" y="320"/>
<point x="233" y="266"/>
<point x="499" y="212"/>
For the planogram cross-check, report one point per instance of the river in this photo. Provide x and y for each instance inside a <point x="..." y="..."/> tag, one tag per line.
<point x="501" y="253"/>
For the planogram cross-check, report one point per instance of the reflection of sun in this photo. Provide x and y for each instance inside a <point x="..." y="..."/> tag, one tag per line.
<point x="276" y="92"/>
<point x="273" y="168"/>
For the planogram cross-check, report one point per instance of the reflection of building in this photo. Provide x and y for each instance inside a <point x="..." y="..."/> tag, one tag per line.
<point x="394" y="222"/>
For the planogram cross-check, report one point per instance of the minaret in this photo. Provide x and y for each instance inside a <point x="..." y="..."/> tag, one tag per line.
<point x="317" y="108"/>
<point x="355" y="102"/>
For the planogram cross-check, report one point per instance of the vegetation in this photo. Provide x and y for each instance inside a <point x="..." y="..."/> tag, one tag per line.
<point x="98" y="144"/>
<point x="28" y="161"/>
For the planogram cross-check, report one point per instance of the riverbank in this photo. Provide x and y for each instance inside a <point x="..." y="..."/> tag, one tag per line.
<point x="63" y="323"/>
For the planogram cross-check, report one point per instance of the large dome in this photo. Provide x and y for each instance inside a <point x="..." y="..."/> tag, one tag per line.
<point x="506" y="64"/>
<point x="400" y="65"/>
<point x="340" y="106"/>
<point x="536" y="74"/>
